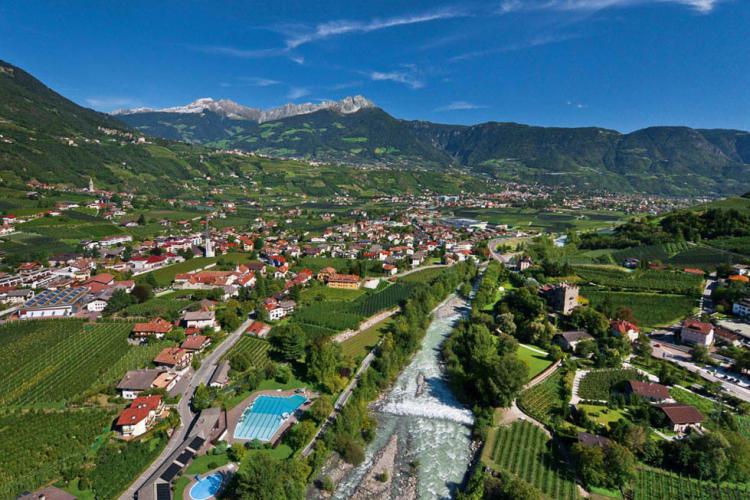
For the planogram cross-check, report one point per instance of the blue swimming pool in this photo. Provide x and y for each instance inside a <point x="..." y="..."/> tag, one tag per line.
<point x="206" y="487"/>
<point x="263" y="418"/>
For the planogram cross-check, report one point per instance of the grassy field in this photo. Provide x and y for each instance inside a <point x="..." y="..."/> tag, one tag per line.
<point x="521" y="449"/>
<point x="359" y="345"/>
<point x="324" y="293"/>
<point x="423" y="276"/>
<point x="536" y="362"/>
<point x="650" y="310"/>
<point x="704" y="405"/>
<point x="603" y="415"/>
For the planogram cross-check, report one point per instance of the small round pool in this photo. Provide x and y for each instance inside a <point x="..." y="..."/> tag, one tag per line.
<point x="206" y="487"/>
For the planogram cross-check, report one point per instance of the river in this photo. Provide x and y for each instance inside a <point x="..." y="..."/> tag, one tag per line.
<point x="432" y="428"/>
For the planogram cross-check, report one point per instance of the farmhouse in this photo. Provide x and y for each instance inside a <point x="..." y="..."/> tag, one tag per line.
<point x="157" y="328"/>
<point x="48" y="493"/>
<point x="346" y="281"/>
<point x="681" y="417"/>
<point x="258" y="328"/>
<point x="569" y="340"/>
<point x="200" y="319"/>
<point x="220" y="377"/>
<point x="196" y="343"/>
<point x="592" y="440"/>
<point x="17" y="296"/>
<point x="622" y="328"/>
<point x="54" y="304"/>
<point x="653" y="392"/>
<point x="136" y="381"/>
<point x="696" y="332"/>
<point x="174" y="357"/>
<point x="140" y="416"/>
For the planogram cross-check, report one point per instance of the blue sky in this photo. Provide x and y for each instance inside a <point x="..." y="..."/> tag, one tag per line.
<point x="622" y="64"/>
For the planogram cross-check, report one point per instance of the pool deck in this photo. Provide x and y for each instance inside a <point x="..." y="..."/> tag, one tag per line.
<point x="228" y="471"/>
<point x="233" y="416"/>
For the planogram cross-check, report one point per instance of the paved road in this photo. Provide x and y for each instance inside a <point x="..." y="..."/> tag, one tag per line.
<point x="681" y="358"/>
<point x="417" y="269"/>
<point x="505" y="258"/>
<point x="341" y="401"/>
<point x="187" y="416"/>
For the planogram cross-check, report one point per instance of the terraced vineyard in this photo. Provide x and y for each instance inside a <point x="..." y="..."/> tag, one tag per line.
<point x="541" y="400"/>
<point x="256" y="349"/>
<point x="660" y="252"/>
<point x="655" y="484"/>
<point x="52" y="361"/>
<point x="598" y="384"/>
<point x="521" y="449"/>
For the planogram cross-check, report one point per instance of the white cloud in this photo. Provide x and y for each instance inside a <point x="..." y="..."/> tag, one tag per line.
<point x="507" y="6"/>
<point x="258" y="81"/>
<point x="297" y="92"/>
<point x="460" y="106"/>
<point x="110" y="103"/>
<point x="577" y="105"/>
<point x="407" y="77"/>
<point x="536" y="41"/>
<point x="342" y="27"/>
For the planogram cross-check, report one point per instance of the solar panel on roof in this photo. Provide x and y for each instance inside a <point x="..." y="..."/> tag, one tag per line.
<point x="171" y="472"/>
<point x="185" y="456"/>
<point x="197" y="443"/>
<point x="163" y="492"/>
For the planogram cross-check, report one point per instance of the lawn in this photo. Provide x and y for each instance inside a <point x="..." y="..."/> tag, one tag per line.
<point x="359" y="345"/>
<point x="603" y="415"/>
<point x="205" y="463"/>
<point x="704" y="405"/>
<point x="324" y="293"/>
<point x="536" y="362"/>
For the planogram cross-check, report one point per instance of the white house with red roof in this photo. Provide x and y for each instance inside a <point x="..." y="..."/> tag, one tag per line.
<point x="140" y="416"/>
<point x="622" y="328"/>
<point x="696" y="332"/>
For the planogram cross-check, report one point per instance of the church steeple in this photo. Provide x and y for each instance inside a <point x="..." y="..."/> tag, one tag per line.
<point x="91" y="185"/>
<point x="209" y="250"/>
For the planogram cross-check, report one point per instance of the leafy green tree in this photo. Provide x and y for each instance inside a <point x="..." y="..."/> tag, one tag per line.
<point x="262" y="477"/>
<point x="300" y="434"/>
<point x="321" y="408"/>
<point x="120" y="300"/>
<point x="323" y="360"/>
<point x="201" y="398"/>
<point x="590" y="462"/>
<point x="142" y="292"/>
<point x="289" y="341"/>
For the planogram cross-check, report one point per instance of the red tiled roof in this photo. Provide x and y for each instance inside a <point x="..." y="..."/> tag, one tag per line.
<point x="170" y="356"/>
<point x="156" y="325"/>
<point x="649" y="390"/>
<point x="698" y="326"/>
<point x="194" y="342"/>
<point x="680" y="414"/>
<point x="623" y="326"/>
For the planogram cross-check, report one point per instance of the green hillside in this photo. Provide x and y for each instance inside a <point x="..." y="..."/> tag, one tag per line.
<point x="664" y="160"/>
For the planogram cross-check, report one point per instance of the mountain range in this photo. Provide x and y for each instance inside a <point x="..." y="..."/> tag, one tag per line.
<point x="46" y="137"/>
<point x="665" y="160"/>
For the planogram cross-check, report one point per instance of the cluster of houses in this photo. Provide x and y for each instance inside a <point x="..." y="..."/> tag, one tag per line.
<point x="87" y="298"/>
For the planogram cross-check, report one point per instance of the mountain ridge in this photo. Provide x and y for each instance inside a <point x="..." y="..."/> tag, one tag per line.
<point x="233" y="110"/>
